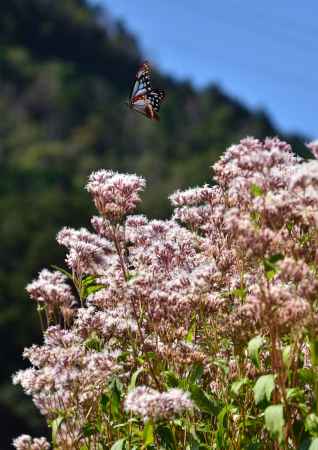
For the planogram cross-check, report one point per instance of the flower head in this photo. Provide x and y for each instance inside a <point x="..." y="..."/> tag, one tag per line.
<point x="149" y="403"/>
<point x="115" y="194"/>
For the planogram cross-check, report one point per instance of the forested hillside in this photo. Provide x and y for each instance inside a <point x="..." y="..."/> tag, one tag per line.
<point x="65" y="70"/>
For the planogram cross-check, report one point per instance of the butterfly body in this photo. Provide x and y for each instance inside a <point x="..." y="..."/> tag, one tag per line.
<point x="143" y="98"/>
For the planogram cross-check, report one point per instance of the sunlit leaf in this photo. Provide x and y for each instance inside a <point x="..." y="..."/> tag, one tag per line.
<point x="148" y="436"/>
<point x="253" y="348"/>
<point x="133" y="379"/>
<point x="274" y="421"/>
<point x="263" y="388"/>
<point x="314" y="444"/>
<point x="236" y="386"/>
<point x="119" y="445"/>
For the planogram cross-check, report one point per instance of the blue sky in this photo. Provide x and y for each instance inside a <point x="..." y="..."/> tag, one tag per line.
<point x="263" y="53"/>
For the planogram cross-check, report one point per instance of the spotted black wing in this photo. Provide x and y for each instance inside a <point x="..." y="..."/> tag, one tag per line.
<point x="142" y="84"/>
<point x="155" y="97"/>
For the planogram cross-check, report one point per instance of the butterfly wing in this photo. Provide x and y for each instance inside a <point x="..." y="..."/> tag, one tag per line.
<point x="155" y="97"/>
<point x="140" y="105"/>
<point x="142" y="84"/>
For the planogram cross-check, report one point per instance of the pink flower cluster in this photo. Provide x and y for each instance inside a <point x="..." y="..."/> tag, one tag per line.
<point x="25" y="442"/>
<point x="151" y="404"/>
<point x="51" y="288"/>
<point x="235" y="260"/>
<point x="114" y="194"/>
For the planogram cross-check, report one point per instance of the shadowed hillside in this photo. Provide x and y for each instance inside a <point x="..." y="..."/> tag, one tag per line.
<point x="65" y="69"/>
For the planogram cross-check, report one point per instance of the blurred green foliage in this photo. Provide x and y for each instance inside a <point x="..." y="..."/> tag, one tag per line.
<point x="65" y="69"/>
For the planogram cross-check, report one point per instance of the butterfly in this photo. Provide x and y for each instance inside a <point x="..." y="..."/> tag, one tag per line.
<point x="143" y="98"/>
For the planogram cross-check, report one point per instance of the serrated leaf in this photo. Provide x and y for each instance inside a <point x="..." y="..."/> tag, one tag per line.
<point x="263" y="388"/>
<point x="314" y="444"/>
<point x="274" y="421"/>
<point x="148" y="436"/>
<point x="253" y="348"/>
<point x="133" y="379"/>
<point x="119" y="445"/>
<point x="236" y="386"/>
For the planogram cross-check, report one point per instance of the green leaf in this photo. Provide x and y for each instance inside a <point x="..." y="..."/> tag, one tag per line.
<point x="166" y="437"/>
<point x="171" y="378"/>
<point x="221" y="434"/>
<point x="116" y="390"/>
<point x="191" y="333"/>
<point x="306" y="375"/>
<point x="314" y="444"/>
<point x="263" y="388"/>
<point x="89" y="429"/>
<point x="92" y="289"/>
<point x="275" y="258"/>
<point x="290" y="226"/>
<point x="253" y="348"/>
<point x="294" y="394"/>
<point x="311" y="424"/>
<point x="203" y="401"/>
<point x="222" y="364"/>
<point x="286" y="356"/>
<point x="63" y="271"/>
<point x="119" y="445"/>
<point x="89" y="279"/>
<point x="236" y="386"/>
<point x="314" y="351"/>
<point x="274" y="421"/>
<point x="104" y="401"/>
<point x="55" y="425"/>
<point x="148" y="436"/>
<point x="195" y="373"/>
<point x="89" y="286"/>
<point x="270" y="265"/>
<point x="93" y="342"/>
<point x="256" y="191"/>
<point x="133" y="379"/>
<point x="239" y="292"/>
